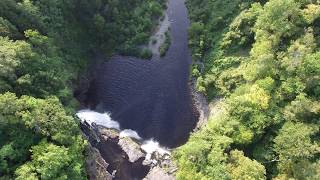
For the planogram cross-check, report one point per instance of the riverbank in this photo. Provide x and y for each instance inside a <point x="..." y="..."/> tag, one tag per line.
<point x="200" y="104"/>
<point x="159" y="37"/>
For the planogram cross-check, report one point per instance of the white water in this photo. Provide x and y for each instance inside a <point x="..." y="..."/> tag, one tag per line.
<point x="151" y="146"/>
<point x="129" y="133"/>
<point x="103" y="119"/>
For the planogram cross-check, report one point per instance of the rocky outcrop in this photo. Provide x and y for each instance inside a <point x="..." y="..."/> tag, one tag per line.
<point x="131" y="148"/>
<point x="108" y="134"/>
<point x="96" y="166"/>
<point x="115" y="157"/>
<point x="162" y="167"/>
<point x="158" y="173"/>
<point x="201" y="104"/>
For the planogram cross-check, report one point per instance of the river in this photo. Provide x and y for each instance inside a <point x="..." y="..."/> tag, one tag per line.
<point x="153" y="96"/>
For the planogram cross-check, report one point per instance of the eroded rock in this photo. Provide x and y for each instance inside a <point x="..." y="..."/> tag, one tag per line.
<point x="131" y="148"/>
<point x="108" y="133"/>
<point x="121" y="157"/>
<point x="158" y="173"/>
<point x="96" y="166"/>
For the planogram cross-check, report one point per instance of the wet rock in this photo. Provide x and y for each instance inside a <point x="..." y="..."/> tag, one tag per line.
<point x="96" y="166"/>
<point x="162" y="167"/>
<point x="201" y="104"/>
<point x="122" y="157"/>
<point x="131" y="148"/>
<point x="107" y="133"/>
<point x="122" y="154"/>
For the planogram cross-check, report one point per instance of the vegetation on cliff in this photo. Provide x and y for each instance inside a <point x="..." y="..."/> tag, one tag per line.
<point x="44" y="44"/>
<point x="263" y="56"/>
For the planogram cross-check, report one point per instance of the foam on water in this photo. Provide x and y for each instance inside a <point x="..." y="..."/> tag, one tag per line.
<point x="102" y="119"/>
<point x="149" y="146"/>
<point x="129" y="133"/>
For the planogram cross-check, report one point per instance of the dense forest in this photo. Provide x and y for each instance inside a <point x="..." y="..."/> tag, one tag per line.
<point x="263" y="59"/>
<point x="44" y="45"/>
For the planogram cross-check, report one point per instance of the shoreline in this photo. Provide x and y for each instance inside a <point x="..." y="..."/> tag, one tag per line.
<point x="200" y="103"/>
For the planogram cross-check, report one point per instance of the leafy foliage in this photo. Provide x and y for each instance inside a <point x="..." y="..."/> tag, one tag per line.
<point x="166" y="44"/>
<point x="27" y="120"/>
<point x="264" y="59"/>
<point x="242" y="167"/>
<point x="44" y="44"/>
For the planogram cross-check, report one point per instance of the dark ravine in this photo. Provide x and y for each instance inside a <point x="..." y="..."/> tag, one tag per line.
<point x="114" y="155"/>
<point x="120" y="166"/>
<point x="153" y="97"/>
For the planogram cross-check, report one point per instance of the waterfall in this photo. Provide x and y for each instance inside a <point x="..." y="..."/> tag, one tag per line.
<point x="104" y="119"/>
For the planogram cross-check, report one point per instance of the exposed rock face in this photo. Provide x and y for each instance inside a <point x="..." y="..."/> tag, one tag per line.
<point x="115" y="157"/>
<point x="123" y="165"/>
<point x="106" y="133"/>
<point x="162" y="168"/>
<point x="131" y="148"/>
<point x="96" y="166"/>
<point x="158" y="173"/>
<point x="201" y="104"/>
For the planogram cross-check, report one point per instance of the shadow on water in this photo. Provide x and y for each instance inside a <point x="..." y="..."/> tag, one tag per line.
<point x="151" y="97"/>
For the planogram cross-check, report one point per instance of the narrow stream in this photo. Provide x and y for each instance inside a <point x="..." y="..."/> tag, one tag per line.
<point x="151" y="97"/>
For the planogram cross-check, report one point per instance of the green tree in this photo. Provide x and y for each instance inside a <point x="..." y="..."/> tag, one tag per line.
<point x="243" y="168"/>
<point x="247" y="105"/>
<point x="8" y="29"/>
<point x="50" y="161"/>
<point x="295" y="146"/>
<point x="262" y="57"/>
<point x="24" y="122"/>
<point x="12" y="55"/>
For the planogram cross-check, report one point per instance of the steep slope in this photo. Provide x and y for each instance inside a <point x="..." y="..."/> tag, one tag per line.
<point x="44" y="45"/>
<point x="264" y="59"/>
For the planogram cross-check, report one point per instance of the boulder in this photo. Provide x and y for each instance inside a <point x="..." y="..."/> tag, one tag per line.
<point x="131" y="148"/>
<point x="123" y="157"/>
<point x="158" y="173"/>
<point x="107" y="133"/>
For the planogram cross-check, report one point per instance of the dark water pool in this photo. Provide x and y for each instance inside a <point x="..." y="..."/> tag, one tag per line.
<point x="151" y="97"/>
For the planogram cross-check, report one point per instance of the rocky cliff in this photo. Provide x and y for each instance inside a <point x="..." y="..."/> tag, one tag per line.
<point x="115" y="156"/>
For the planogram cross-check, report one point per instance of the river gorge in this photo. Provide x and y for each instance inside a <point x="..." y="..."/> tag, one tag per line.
<point x="150" y="96"/>
<point x="151" y="99"/>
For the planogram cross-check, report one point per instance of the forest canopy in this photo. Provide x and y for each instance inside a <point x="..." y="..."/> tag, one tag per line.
<point x="262" y="58"/>
<point x="44" y="45"/>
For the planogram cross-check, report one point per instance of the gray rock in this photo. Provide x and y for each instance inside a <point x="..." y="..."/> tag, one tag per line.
<point x="96" y="166"/>
<point x="158" y="173"/>
<point x="131" y="148"/>
<point x="125" y="153"/>
<point x="107" y="133"/>
<point x="201" y="104"/>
